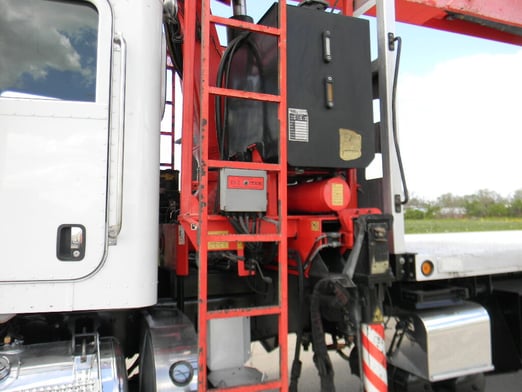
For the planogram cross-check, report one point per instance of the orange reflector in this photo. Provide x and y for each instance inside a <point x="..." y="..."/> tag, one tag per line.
<point x="427" y="268"/>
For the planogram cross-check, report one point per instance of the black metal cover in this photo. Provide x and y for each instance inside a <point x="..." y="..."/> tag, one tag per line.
<point x="328" y="85"/>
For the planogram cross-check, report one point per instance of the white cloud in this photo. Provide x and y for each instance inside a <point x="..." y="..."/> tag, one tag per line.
<point x="33" y="39"/>
<point x="460" y="125"/>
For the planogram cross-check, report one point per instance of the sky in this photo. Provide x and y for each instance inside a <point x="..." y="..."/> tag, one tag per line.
<point x="59" y="49"/>
<point x="459" y="100"/>
<point x="459" y="108"/>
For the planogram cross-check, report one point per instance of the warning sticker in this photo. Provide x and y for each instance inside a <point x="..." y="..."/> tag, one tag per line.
<point x="315" y="226"/>
<point x="350" y="143"/>
<point x="337" y="195"/>
<point x="377" y="316"/>
<point x="298" y="125"/>
<point x="246" y="182"/>
<point x="215" y="245"/>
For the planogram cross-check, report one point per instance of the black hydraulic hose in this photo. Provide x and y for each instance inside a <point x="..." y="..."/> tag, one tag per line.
<point x="321" y="358"/>
<point x="174" y="38"/>
<point x="222" y="80"/>
<point x="394" y="121"/>
<point x="223" y="70"/>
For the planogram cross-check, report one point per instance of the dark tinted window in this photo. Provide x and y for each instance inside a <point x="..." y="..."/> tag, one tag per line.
<point x="48" y="49"/>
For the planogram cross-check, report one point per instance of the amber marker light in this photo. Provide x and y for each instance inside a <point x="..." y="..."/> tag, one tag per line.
<point x="427" y="268"/>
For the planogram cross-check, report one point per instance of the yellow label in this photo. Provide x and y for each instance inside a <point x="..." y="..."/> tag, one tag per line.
<point x="377" y="315"/>
<point x="350" y="144"/>
<point x="337" y="195"/>
<point x="215" y="245"/>
<point x="315" y="226"/>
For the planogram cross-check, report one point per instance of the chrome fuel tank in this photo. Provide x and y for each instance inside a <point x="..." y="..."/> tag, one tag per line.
<point x="95" y="366"/>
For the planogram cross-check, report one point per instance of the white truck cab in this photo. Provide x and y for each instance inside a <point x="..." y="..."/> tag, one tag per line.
<point x="79" y="102"/>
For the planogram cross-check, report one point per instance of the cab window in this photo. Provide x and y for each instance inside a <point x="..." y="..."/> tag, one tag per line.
<point x="48" y="49"/>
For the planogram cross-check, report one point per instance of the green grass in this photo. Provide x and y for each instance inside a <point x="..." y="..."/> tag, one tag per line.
<point x="455" y="225"/>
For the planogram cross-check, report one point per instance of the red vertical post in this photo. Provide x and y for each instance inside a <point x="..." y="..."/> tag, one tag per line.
<point x="347" y="8"/>
<point x="283" y="208"/>
<point x="354" y="191"/>
<point x="202" y="253"/>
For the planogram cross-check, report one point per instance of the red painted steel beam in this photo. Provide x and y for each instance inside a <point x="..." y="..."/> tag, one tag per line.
<point x="446" y="15"/>
<point x="496" y="20"/>
<point x="507" y="12"/>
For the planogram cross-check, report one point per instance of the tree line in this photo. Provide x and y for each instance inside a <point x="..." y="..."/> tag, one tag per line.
<point x="482" y="204"/>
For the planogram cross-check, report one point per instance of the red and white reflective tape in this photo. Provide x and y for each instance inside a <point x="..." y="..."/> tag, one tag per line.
<point x="374" y="358"/>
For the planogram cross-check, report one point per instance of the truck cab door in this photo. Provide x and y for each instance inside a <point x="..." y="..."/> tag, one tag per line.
<point x="55" y="72"/>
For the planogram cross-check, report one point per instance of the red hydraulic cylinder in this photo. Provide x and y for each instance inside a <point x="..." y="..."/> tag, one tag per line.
<point x="322" y="196"/>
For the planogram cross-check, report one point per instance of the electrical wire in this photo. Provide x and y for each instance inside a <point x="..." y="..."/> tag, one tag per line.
<point x="316" y="249"/>
<point x="253" y="250"/>
<point x="244" y="226"/>
<point x="333" y="6"/>
<point x="253" y="287"/>
<point x="394" y="121"/>
<point x="265" y="279"/>
<point x="272" y="221"/>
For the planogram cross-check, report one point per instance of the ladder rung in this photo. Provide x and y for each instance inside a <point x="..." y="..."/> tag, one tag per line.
<point x="270" y="385"/>
<point x="245" y="25"/>
<point x="244" y="165"/>
<point x="228" y="92"/>
<point x="245" y="237"/>
<point x="244" y="312"/>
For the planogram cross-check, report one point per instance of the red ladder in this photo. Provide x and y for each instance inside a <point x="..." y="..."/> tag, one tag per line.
<point x="277" y="170"/>
<point x="171" y="133"/>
